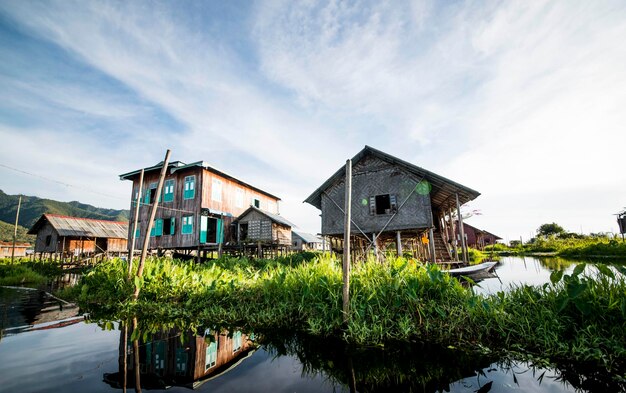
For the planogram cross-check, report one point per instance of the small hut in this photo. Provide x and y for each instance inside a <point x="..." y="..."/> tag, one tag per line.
<point x="477" y="238"/>
<point x="301" y="241"/>
<point x="259" y="226"/>
<point x="57" y="234"/>
<point x="6" y="249"/>
<point x="393" y="203"/>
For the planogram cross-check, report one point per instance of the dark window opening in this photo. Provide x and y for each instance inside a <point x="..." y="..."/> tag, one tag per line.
<point x="48" y="240"/>
<point x="257" y="203"/>
<point x="168" y="226"/>
<point x="152" y="195"/>
<point x="383" y="204"/>
<point x="212" y="230"/>
<point x="243" y="231"/>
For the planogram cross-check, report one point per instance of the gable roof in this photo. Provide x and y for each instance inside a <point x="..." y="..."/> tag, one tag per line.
<point x="85" y="227"/>
<point x="307" y="237"/>
<point x="274" y="217"/>
<point x="178" y="165"/>
<point x="442" y="192"/>
<point x="478" y="230"/>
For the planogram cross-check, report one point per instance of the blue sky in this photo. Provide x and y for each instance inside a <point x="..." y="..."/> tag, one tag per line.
<point x="522" y="101"/>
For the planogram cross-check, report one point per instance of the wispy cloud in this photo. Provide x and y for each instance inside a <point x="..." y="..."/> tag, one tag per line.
<point x="504" y="97"/>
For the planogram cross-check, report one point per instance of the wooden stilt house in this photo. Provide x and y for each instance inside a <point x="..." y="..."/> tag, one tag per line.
<point x="197" y="206"/>
<point x="394" y="203"/>
<point x="63" y="235"/>
<point x="255" y="225"/>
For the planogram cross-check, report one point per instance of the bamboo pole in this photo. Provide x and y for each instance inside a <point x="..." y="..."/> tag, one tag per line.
<point x="399" y="243"/>
<point x="146" y="240"/>
<point x="461" y="231"/>
<point x="131" y="252"/>
<point x="346" y="243"/>
<point x="17" y="217"/>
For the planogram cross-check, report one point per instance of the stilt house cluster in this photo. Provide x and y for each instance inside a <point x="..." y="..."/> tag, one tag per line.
<point x="203" y="209"/>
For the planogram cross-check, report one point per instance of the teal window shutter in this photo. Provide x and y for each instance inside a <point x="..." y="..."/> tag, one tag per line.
<point x="158" y="225"/>
<point x="187" y="225"/>
<point x="172" y="225"/>
<point x="137" y="231"/>
<point x="220" y="231"/>
<point x="190" y="187"/>
<point x="168" y="191"/>
<point x="203" y="228"/>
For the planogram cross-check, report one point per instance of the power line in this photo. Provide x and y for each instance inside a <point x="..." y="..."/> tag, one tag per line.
<point x="62" y="183"/>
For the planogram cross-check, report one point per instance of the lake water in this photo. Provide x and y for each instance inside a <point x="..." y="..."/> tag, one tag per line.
<point x="47" y="347"/>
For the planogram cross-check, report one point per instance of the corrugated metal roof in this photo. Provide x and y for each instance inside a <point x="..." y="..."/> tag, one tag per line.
<point x="442" y="193"/>
<point x="274" y="217"/>
<point x="83" y="227"/>
<point x="307" y="237"/>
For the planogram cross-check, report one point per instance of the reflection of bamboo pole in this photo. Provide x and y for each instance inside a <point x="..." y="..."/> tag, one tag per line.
<point x="346" y="242"/>
<point x="131" y="252"/>
<point x="125" y="355"/>
<point x="136" y="353"/>
<point x="146" y="239"/>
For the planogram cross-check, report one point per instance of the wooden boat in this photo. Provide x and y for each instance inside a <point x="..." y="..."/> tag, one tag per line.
<point x="473" y="270"/>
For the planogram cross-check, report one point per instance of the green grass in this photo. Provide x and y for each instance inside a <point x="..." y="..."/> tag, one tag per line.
<point x="26" y="272"/>
<point x="587" y="247"/>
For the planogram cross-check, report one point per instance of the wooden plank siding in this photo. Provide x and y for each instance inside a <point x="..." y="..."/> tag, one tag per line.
<point x="226" y="206"/>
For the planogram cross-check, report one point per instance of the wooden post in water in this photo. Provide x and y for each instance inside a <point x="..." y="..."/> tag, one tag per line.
<point x="131" y="251"/>
<point x="17" y="217"/>
<point x="453" y="237"/>
<point x="146" y="239"/>
<point x="346" y="242"/>
<point x="461" y="231"/>
<point x="431" y="238"/>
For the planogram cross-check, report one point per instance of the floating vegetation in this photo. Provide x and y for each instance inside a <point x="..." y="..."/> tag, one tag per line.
<point x="575" y="318"/>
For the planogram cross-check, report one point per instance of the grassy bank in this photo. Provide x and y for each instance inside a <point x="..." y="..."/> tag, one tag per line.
<point x="569" y="247"/>
<point x="26" y="272"/>
<point x="574" y="318"/>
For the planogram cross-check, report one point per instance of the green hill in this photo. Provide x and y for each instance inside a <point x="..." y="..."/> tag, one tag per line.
<point x="33" y="207"/>
<point x="6" y="233"/>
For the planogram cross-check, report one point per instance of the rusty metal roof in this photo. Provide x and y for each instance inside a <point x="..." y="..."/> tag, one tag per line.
<point x="82" y="227"/>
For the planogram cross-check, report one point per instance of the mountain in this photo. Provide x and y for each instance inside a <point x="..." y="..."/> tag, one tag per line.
<point x="6" y="233"/>
<point x="33" y="207"/>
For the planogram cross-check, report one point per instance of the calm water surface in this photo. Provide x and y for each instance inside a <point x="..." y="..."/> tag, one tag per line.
<point x="40" y="354"/>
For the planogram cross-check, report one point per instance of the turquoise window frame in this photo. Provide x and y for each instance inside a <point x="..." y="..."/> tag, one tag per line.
<point x="236" y="341"/>
<point x="137" y="232"/>
<point x="157" y="228"/>
<point x="168" y="190"/>
<point x="210" y="358"/>
<point x="187" y="226"/>
<point x="190" y="187"/>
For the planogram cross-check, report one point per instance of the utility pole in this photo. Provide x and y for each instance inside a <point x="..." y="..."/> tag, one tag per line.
<point x="146" y="238"/>
<point x="17" y="217"/>
<point x="346" y="243"/>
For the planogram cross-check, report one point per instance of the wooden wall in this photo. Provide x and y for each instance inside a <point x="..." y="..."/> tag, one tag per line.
<point x="370" y="177"/>
<point x="180" y="207"/>
<point x="40" y="243"/>
<point x="117" y="245"/>
<point x="281" y="234"/>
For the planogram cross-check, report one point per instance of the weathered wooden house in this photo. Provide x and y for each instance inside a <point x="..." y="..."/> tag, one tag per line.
<point x="477" y="238"/>
<point x="393" y="202"/>
<point x="301" y="241"/>
<point x="57" y="234"/>
<point x="197" y="206"/>
<point x="165" y="360"/>
<point x="6" y="249"/>
<point x="256" y="225"/>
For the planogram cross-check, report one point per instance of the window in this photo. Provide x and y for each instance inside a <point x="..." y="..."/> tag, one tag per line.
<point x="383" y="204"/>
<point x="168" y="191"/>
<point x="48" y="240"/>
<point x="150" y="194"/>
<point x="256" y="202"/>
<point x="210" y="358"/>
<point x="187" y="225"/>
<point x="157" y="228"/>
<point x="216" y="190"/>
<point x="181" y="361"/>
<point x="236" y="341"/>
<point x="190" y="187"/>
<point x="169" y="226"/>
<point x="238" y="197"/>
<point x="137" y="231"/>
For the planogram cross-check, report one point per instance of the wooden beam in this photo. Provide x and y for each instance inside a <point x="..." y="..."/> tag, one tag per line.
<point x="346" y="242"/>
<point x="131" y="251"/>
<point x="461" y="231"/>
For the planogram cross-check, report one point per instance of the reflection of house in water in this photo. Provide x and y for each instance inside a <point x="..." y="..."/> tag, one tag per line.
<point x="167" y="361"/>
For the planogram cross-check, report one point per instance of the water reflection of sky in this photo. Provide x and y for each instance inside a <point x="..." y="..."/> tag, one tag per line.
<point x="522" y="270"/>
